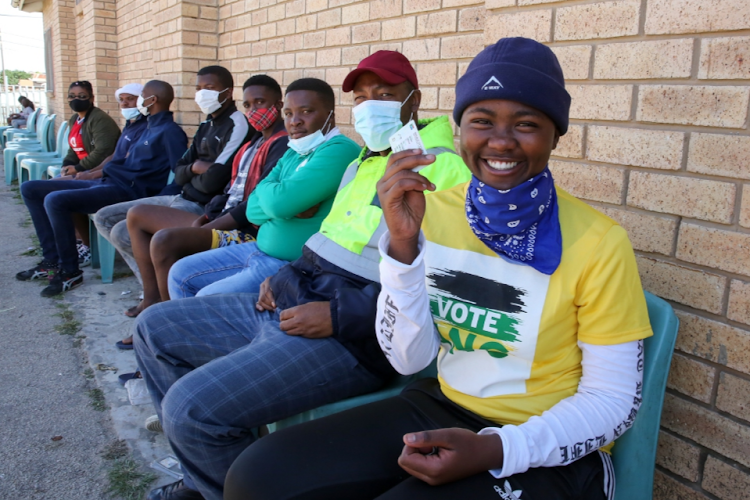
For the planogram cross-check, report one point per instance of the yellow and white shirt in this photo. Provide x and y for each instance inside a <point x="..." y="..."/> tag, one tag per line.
<point x="556" y="360"/>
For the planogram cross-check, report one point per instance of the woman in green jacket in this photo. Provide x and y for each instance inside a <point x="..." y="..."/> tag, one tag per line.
<point x="93" y="133"/>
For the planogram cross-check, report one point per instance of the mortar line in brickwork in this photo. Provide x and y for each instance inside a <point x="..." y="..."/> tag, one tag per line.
<point x="658" y="171"/>
<point x="667" y="127"/>
<point x="685" y="150"/>
<point x="642" y="17"/>
<point x="695" y="66"/>
<point x="678" y="306"/>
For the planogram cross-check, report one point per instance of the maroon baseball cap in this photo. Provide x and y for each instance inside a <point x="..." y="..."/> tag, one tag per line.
<point x="392" y="67"/>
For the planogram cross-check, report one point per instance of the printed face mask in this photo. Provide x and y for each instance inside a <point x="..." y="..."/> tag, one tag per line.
<point x="377" y="121"/>
<point x="79" y="105"/>
<point x="130" y="113"/>
<point x="261" y="119"/>
<point x="208" y="100"/>
<point x="305" y="145"/>
<point x="141" y="108"/>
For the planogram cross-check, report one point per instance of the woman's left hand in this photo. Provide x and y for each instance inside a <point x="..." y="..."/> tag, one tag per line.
<point x="446" y="455"/>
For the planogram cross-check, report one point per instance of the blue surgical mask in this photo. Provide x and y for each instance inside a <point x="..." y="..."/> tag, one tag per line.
<point x="305" y="145"/>
<point x="376" y="121"/>
<point x="130" y="113"/>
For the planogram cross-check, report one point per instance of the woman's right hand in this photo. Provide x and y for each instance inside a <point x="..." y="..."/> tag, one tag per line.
<point x="401" y="194"/>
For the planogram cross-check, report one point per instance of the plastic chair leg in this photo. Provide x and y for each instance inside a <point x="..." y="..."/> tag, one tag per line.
<point x="94" y="244"/>
<point x="106" y="259"/>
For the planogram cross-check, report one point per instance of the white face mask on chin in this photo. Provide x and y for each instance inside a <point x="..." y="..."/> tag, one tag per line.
<point x="208" y="100"/>
<point x="305" y="145"/>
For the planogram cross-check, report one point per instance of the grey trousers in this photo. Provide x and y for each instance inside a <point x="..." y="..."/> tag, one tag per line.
<point x="110" y="222"/>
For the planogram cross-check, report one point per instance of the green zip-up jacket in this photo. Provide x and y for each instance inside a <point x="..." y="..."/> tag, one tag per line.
<point x="99" y="133"/>
<point x="296" y="184"/>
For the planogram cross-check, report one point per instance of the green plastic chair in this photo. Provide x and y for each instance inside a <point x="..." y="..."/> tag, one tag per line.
<point x="30" y="126"/>
<point x="37" y="165"/>
<point x="26" y="146"/>
<point x="634" y="453"/>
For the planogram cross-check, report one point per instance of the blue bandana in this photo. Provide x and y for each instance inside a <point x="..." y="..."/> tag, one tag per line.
<point x="520" y="224"/>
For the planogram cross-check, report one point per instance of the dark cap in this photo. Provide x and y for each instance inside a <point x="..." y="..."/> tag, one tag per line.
<point x="392" y="67"/>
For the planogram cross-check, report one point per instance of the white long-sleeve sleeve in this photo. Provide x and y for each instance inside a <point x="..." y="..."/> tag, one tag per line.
<point x="405" y="329"/>
<point x="605" y="405"/>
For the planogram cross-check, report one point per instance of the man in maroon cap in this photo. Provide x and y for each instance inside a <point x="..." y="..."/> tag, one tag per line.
<point x="308" y="338"/>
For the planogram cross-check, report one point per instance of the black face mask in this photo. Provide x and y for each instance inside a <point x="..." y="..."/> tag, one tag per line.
<point x="79" y="105"/>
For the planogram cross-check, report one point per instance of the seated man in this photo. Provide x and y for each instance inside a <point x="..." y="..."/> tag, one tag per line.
<point x="217" y="369"/>
<point x="529" y="298"/>
<point x="143" y="172"/>
<point x="203" y="170"/>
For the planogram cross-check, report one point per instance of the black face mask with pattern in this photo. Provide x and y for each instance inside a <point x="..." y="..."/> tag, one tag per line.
<point x="79" y="105"/>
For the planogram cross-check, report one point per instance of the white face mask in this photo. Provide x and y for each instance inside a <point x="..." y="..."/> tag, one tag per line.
<point x="208" y="100"/>
<point x="141" y="108"/>
<point x="130" y="113"/>
<point x="305" y="145"/>
<point x="377" y="121"/>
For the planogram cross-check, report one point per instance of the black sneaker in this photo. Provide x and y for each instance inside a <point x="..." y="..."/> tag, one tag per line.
<point x="42" y="270"/>
<point x="62" y="282"/>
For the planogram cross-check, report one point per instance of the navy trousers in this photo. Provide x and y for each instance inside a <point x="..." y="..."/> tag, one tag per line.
<point x="51" y="205"/>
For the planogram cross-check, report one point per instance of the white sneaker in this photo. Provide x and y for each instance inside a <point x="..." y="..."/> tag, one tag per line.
<point x="153" y="424"/>
<point x="84" y="255"/>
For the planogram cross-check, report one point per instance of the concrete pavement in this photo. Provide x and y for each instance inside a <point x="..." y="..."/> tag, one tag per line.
<point x="46" y="378"/>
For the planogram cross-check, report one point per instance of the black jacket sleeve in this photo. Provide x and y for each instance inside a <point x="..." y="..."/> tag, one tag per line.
<point x="182" y="172"/>
<point x="233" y="138"/>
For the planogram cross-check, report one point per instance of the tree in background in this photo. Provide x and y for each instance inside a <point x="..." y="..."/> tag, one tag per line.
<point x="14" y="75"/>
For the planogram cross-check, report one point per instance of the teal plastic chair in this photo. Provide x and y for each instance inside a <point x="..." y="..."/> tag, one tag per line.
<point x="30" y="126"/>
<point x="15" y="147"/>
<point x="102" y="251"/>
<point x="634" y="454"/>
<point x="394" y="388"/>
<point x="36" y="165"/>
<point x="30" y="132"/>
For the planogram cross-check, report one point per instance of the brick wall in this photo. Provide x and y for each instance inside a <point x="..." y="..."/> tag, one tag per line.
<point x="658" y="140"/>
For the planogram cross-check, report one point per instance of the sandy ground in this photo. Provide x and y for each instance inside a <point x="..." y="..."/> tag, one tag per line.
<point x="46" y="378"/>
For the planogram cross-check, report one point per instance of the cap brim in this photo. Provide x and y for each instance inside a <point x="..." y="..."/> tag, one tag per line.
<point x="385" y="75"/>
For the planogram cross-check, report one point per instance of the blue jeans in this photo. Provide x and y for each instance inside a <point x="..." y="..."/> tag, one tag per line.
<point x="233" y="269"/>
<point x="51" y="204"/>
<point x="217" y="369"/>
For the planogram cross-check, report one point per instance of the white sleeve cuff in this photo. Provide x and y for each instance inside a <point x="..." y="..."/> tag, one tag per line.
<point x="406" y="278"/>
<point x="516" y="458"/>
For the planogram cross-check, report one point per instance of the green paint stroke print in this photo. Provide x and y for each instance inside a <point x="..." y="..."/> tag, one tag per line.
<point x="475" y="322"/>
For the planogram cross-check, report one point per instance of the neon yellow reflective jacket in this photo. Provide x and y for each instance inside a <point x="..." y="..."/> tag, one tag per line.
<point x="349" y="235"/>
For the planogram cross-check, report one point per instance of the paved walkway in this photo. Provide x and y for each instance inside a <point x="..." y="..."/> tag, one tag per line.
<point x="46" y="378"/>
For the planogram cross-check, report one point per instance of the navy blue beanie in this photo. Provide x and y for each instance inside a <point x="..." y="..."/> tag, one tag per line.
<point x="516" y="69"/>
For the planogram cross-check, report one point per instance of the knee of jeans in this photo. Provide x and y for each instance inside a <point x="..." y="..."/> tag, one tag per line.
<point x="176" y="280"/>
<point x="27" y="189"/>
<point x="119" y="236"/>
<point x="53" y="201"/>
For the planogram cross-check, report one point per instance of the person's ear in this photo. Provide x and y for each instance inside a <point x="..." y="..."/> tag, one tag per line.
<point x="555" y="139"/>
<point x="416" y="100"/>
